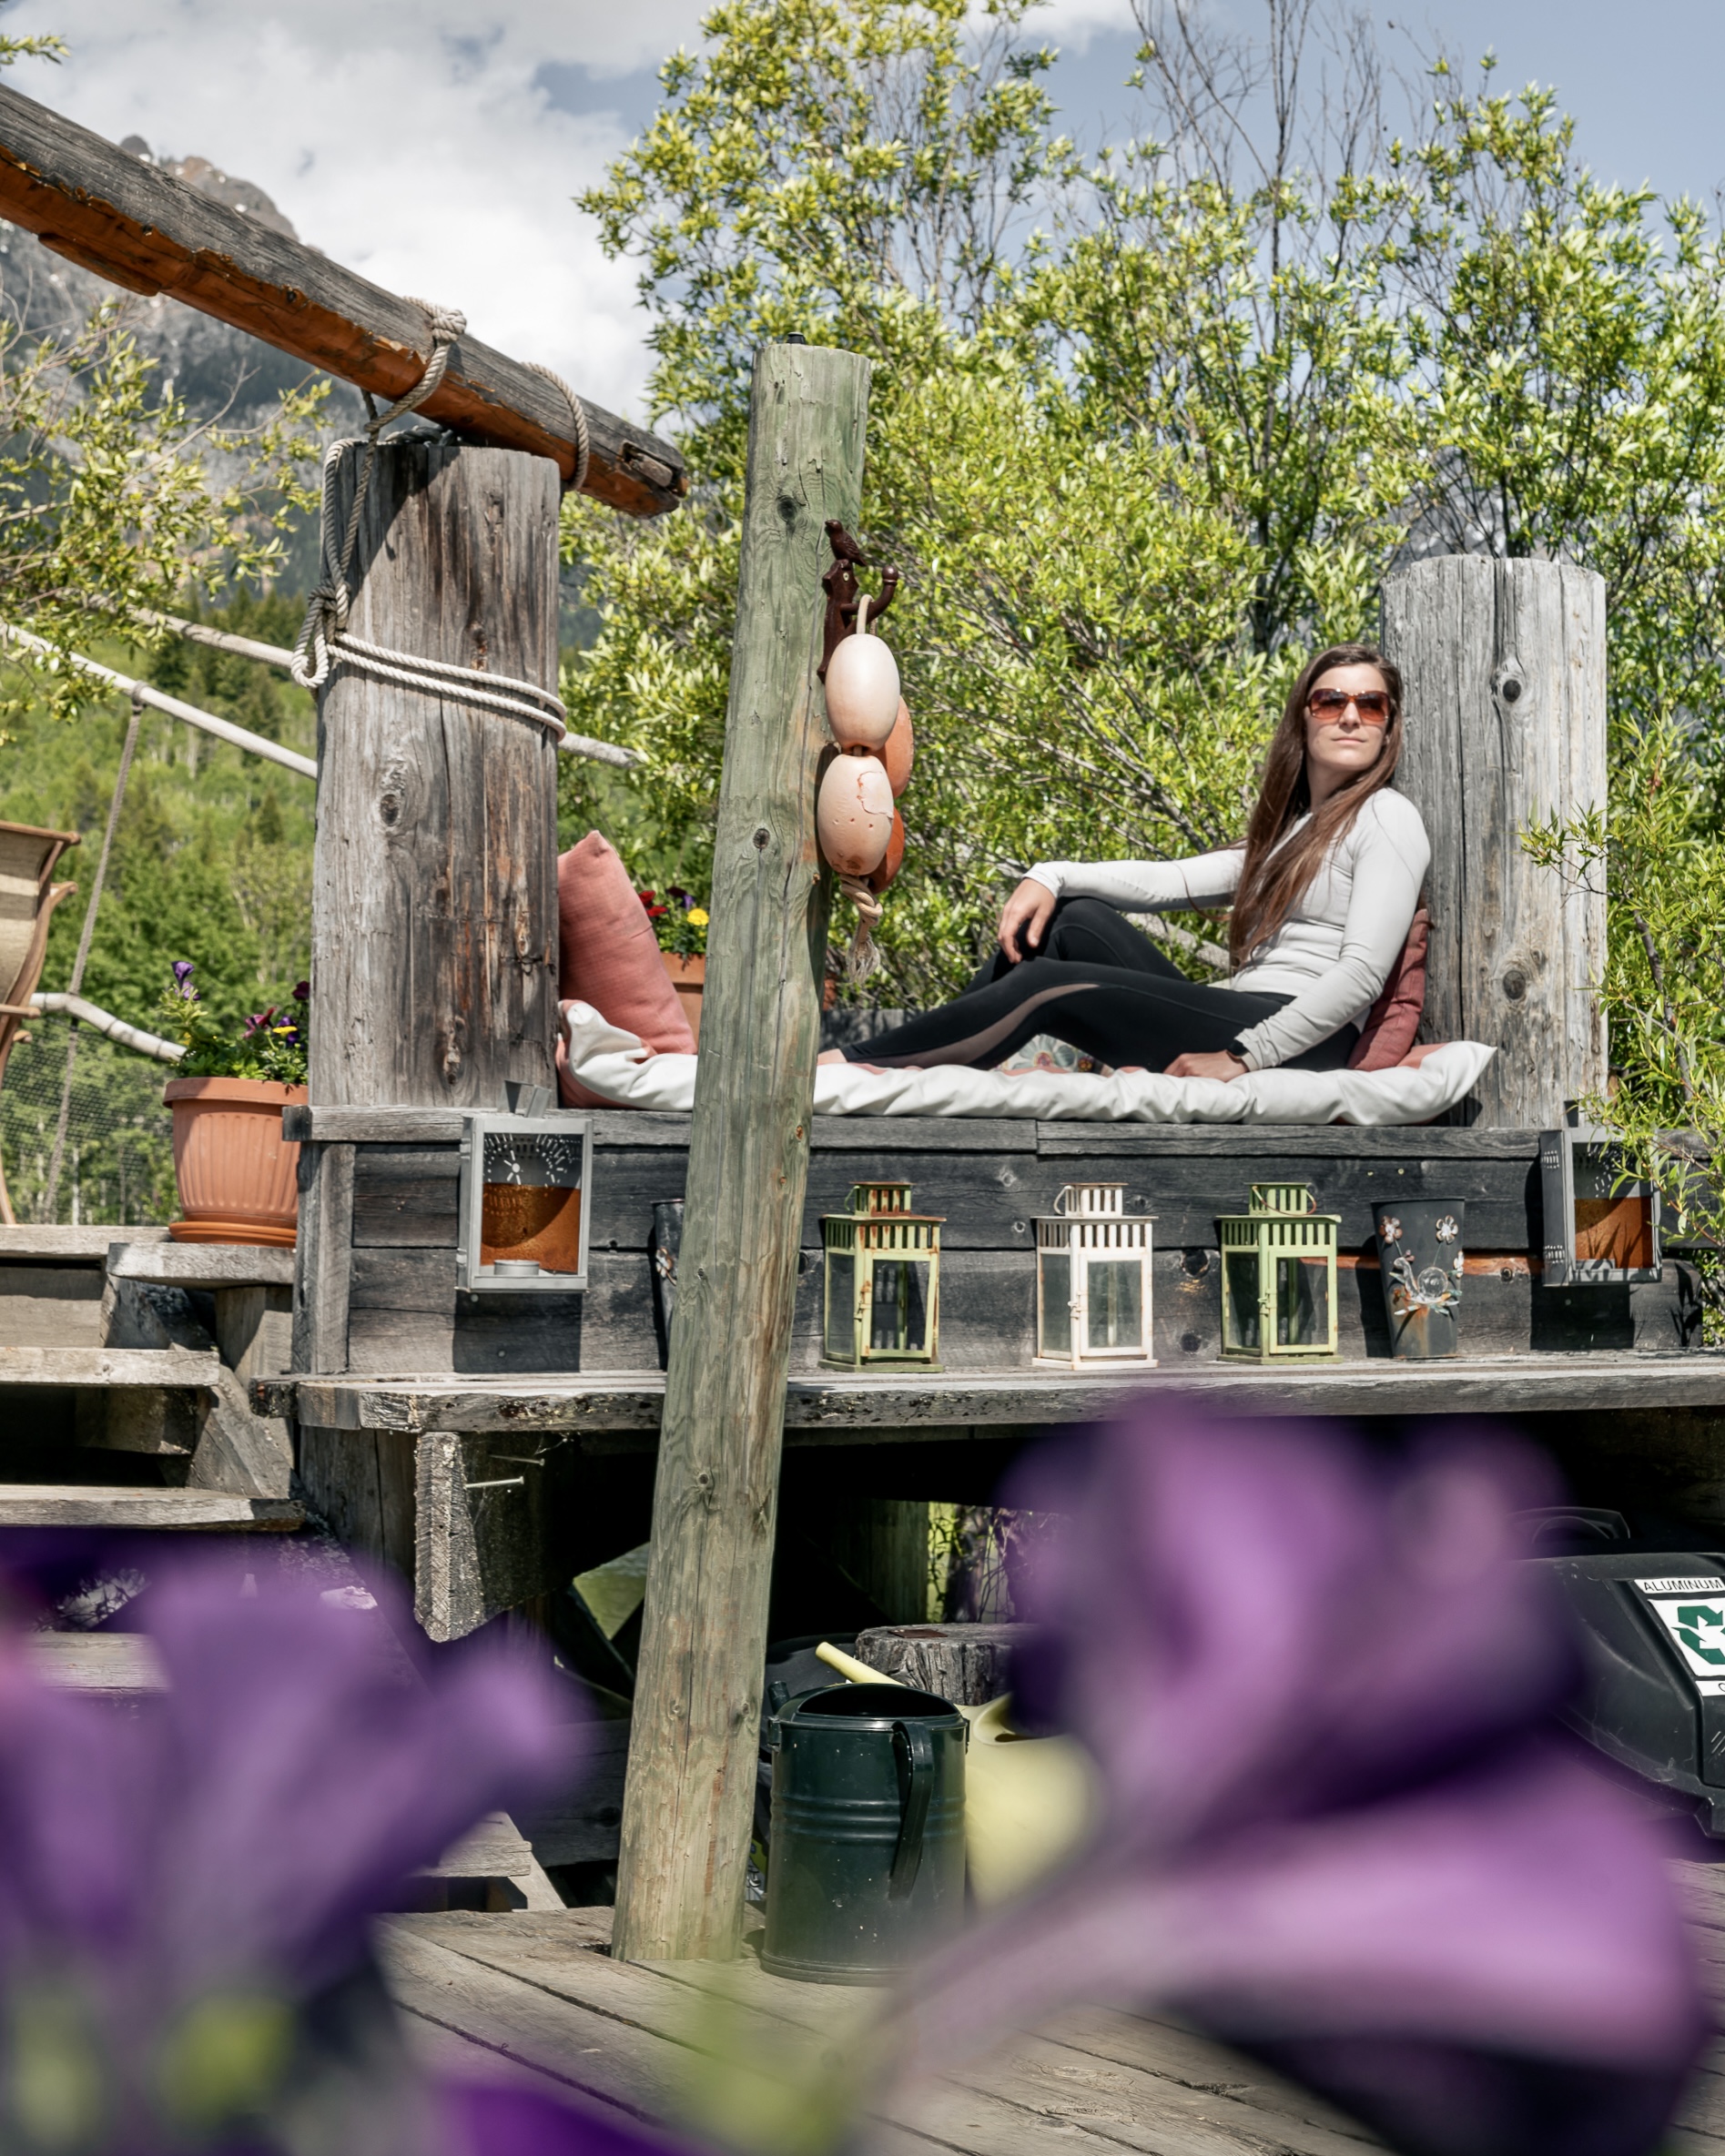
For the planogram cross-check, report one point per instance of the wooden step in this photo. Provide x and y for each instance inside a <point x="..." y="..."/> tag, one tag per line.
<point x="78" y="1504"/>
<point x="111" y="1664"/>
<point x="110" y="1368"/>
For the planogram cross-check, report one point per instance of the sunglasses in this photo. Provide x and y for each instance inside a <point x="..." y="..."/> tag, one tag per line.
<point x="1327" y="707"/>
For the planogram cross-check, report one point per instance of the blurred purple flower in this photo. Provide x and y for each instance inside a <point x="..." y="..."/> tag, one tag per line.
<point x="183" y="971"/>
<point x="183" y="1910"/>
<point x="261" y="1021"/>
<point x="302" y="992"/>
<point x="1336" y="1830"/>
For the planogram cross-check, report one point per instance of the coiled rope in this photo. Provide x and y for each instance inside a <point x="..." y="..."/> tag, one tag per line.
<point x="324" y="641"/>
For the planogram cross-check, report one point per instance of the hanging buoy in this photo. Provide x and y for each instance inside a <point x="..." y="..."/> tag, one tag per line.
<point x="853" y="814"/>
<point x="863" y="701"/>
<point x="892" y="860"/>
<point x="901" y="751"/>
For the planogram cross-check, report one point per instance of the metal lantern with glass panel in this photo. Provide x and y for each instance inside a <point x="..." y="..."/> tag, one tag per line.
<point x="522" y="1220"/>
<point x="1092" y="1278"/>
<point x="1602" y="1224"/>
<point x="882" y="1282"/>
<point x="1278" y="1277"/>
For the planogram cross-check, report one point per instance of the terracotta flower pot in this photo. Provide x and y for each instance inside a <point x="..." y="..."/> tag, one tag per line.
<point x="237" y="1173"/>
<point x="688" y="978"/>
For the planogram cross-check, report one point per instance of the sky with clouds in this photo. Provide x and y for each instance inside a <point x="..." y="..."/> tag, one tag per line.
<point x="435" y="147"/>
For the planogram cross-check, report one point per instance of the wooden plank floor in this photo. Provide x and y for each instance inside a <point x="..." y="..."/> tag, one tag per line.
<point x="536" y="1997"/>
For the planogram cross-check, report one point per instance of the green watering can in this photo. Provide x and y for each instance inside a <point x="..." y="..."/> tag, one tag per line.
<point x="866" y="1854"/>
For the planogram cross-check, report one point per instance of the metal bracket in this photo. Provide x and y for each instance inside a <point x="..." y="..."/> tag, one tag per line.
<point x="843" y="591"/>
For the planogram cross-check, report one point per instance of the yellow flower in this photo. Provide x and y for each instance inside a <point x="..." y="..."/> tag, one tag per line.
<point x="698" y="917"/>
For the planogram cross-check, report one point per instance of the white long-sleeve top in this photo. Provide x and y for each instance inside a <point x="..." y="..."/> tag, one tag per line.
<point x="1338" y="946"/>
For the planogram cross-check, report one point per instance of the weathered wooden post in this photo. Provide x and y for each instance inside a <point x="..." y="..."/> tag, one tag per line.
<point x="1505" y="668"/>
<point x="434" y="868"/>
<point x="691" y="1784"/>
<point x="434" y="897"/>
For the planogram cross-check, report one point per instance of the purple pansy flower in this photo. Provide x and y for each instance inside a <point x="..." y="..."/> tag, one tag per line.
<point x="1337" y="1831"/>
<point x="184" y="1958"/>
<point x="183" y="971"/>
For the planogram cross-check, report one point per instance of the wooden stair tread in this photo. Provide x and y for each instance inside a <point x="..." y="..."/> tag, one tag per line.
<point x="110" y="1368"/>
<point x="118" y="1665"/>
<point x="75" y="1505"/>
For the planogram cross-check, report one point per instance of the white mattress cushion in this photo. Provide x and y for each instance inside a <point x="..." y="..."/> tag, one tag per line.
<point x="613" y="1064"/>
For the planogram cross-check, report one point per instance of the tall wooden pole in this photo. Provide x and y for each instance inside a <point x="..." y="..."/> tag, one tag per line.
<point x="691" y="1785"/>
<point x="1505" y="670"/>
<point x="434" y="871"/>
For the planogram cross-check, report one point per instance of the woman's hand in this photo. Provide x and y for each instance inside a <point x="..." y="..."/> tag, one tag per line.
<point x="1224" y="1064"/>
<point x="1024" y="919"/>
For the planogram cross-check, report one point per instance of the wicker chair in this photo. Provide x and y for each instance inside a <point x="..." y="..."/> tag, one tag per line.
<point x="28" y="895"/>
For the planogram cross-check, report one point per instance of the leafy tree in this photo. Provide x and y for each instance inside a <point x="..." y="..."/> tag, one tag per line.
<point x="1144" y="430"/>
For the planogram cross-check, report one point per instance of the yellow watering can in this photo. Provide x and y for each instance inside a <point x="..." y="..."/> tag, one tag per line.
<point x="1028" y="1801"/>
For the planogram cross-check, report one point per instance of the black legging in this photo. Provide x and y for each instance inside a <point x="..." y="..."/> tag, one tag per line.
<point x="1102" y="985"/>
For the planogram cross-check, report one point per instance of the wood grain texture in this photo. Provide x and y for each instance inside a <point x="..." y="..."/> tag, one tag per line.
<point x="363" y="1484"/>
<point x="697" y="1701"/>
<point x="650" y="2039"/>
<point x="434" y="880"/>
<point x="50" y="1306"/>
<point x="200" y="1264"/>
<point x="494" y="1526"/>
<point x="70" y="1246"/>
<point x="323" y="1257"/>
<point x="142" y="1367"/>
<point x="1505" y="671"/>
<point x="849" y="1408"/>
<point x="141" y="228"/>
<point x="47" y="1504"/>
<point x="971" y="1664"/>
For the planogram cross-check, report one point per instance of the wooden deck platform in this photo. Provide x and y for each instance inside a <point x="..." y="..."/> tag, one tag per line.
<point x="536" y="1997"/>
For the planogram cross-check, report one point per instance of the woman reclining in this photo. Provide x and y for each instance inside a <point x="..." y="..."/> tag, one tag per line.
<point x="1324" y="891"/>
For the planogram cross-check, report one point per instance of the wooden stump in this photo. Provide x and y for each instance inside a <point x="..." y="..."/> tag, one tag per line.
<point x="969" y="1664"/>
<point x="691" y="1787"/>
<point x="435" y="871"/>
<point x="1505" y="724"/>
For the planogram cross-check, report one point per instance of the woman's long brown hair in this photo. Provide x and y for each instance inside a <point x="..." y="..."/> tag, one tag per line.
<point x="1275" y="877"/>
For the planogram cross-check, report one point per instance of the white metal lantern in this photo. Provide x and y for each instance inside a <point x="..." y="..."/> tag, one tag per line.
<point x="1092" y="1278"/>
<point x="523" y="1219"/>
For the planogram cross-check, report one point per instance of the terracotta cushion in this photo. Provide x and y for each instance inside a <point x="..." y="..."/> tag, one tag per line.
<point x="609" y="957"/>
<point x="1388" y="1032"/>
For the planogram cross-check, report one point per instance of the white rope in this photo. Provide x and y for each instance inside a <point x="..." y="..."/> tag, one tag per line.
<point x="578" y="413"/>
<point x="324" y="641"/>
<point x="271" y="655"/>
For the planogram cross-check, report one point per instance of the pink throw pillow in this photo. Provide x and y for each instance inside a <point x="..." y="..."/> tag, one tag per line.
<point x="1393" y="1019"/>
<point x="608" y="956"/>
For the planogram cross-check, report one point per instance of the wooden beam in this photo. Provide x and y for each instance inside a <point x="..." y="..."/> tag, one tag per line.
<point x="864" y="1410"/>
<point x="134" y="224"/>
<point x="1504" y="663"/>
<point x="691" y="1787"/>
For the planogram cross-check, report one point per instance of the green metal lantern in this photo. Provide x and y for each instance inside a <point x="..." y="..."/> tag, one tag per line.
<point x="1278" y="1277"/>
<point x="882" y="1287"/>
<point x="1092" y="1278"/>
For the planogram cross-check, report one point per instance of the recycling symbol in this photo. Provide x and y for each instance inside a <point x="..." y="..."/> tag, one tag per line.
<point x="1690" y="1618"/>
